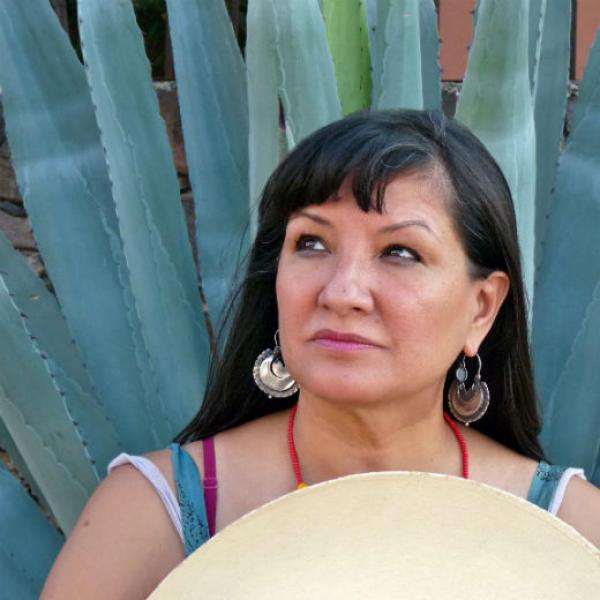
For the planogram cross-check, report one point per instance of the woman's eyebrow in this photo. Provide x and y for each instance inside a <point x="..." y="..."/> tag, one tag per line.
<point x="387" y="229"/>
<point x="315" y="218"/>
<point x="408" y="223"/>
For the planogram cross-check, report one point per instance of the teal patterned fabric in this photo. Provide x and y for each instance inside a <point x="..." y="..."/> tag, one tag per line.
<point x="190" y="492"/>
<point x="194" y="519"/>
<point x="544" y="484"/>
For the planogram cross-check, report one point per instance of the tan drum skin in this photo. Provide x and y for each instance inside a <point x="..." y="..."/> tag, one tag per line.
<point x="392" y="535"/>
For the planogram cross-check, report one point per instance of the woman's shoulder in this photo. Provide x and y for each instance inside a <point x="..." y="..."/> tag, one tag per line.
<point x="581" y="509"/>
<point x="502" y="467"/>
<point x="499" y="466"/>
<point x="112" y="542"/>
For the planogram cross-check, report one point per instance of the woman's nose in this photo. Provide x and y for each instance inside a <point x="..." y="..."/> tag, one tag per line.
<point x="347" y="288"/>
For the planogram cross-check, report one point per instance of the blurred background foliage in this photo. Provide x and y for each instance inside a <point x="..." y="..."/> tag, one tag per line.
<point x="153" y="21"/>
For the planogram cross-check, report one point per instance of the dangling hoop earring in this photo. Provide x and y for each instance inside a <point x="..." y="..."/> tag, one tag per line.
<point x="469" y="405"/>
<point x="270" y="374"/>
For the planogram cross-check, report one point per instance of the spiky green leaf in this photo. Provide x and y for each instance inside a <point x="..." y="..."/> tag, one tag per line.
<point x="430" y="48"/>
<point x="149" y="212"/>
<point x="550" y="91"/>
<point x="347" y="33"/>
<point x="306" y="83"/>
<point x="287" y="59"/>
<point x="214" y="137"/>
<point x="587" y="87"/>
<point x="8" y="444"/>
<point x="496" y="104"/>
<point x="60" y="167"/>
<point x="50" y="340"/>
<point x="263" y="98"/>
<point x="23" y="566"/>
<point x="401" y="84"/>
<point x="38" y="420"/>
<point x="566" y="306"/>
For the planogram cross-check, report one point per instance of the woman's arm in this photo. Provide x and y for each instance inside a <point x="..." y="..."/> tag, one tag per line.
<point x="122" y="546"/>
<point x="581" y="509"/>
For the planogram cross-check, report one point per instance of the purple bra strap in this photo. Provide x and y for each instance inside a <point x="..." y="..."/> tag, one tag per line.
<point x="210" y="482"/>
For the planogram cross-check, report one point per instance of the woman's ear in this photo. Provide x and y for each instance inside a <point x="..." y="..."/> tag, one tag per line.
<point x="490" y="294"/>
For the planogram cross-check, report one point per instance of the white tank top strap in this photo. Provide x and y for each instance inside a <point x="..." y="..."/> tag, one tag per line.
<point x="152" y="473"/>
<point x="561" y="488"/>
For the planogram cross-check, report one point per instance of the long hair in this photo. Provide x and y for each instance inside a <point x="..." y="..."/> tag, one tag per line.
<point x="371" y="148"/>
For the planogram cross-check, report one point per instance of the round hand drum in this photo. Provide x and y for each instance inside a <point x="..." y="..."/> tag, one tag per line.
<point x="392" y="535"/>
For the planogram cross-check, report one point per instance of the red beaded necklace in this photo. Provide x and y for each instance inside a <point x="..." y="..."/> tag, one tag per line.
<point x="300" y="483"/>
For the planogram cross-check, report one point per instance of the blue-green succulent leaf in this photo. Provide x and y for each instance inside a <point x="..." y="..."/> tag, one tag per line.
<point x="36" y="414"/>
<point x="60" y="168"/>
<point x="377" y="14"/>
<point x="24" y="566"/>
<point x="571" y="434"/>
<point x="214" y="112"/>
<point x="430" y="48"/>
<point x="401" y="84"/>
<point x="263" y="98"/>
<point x="49" y="338"/>
<point x="589" y="85"/>
<point x="536" y="20"/>
<point x="496" y="104"/>
<point x="372" y="22"/>
<point x="306" y="84"/>
<point x="287" y="60"/>
<point x="348" y="37"/>
<point x="566" y="305"/>
<point x="19" y="463"/>
<point x="149" y="211"/>
<point x="550" y="92"/>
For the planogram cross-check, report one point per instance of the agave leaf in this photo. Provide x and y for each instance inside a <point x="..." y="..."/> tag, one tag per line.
<point x="372" y="22"/>
<point x="589" y="85"/>
<point x="570" y="267"/>
<point x="60" y="167"/>
<point x="214" y="112"/>
<point x="401" y="77"/>
<point x="149" y="211"/>
<point x="550" y="91"/>
<point x="377" y="12"/>
<point x="306" y="82"/>
<point x="495" y="103"/>
<point x="347" y="33"/>
<point x="571" y="434"/>
<point x="37" y="417"/>
<point x="23" y="567"/>
<point x="49" y="338"/>
<point x="13" y="581"/>
<point x="263" y="100"/>
<point x="536" y="20"/>
<point x="430" y="49"/>
<point x="8" y="444"/>
<point x="286" y="55"/>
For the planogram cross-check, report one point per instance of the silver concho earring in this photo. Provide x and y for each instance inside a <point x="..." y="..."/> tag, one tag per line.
<point x="468" y="405"/>
<point x="270" y="373"/>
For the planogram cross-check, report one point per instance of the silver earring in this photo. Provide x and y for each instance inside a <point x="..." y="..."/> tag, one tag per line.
<point x="469" y="405"/>
<point x="270" y="373"/>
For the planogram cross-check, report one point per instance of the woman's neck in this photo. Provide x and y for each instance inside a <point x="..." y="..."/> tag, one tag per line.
<point x="333" y="440"/>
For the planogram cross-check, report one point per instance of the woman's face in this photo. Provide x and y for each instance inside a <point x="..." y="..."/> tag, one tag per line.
<point x="399" y="281"/>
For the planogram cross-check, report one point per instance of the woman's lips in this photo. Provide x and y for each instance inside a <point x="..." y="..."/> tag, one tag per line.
<point x="342" y="341"/>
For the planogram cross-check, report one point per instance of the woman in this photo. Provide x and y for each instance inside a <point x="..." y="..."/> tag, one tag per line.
<point x="385" y="267"/>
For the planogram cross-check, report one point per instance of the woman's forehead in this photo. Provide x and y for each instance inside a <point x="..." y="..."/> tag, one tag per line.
<point x="422" y="194"/>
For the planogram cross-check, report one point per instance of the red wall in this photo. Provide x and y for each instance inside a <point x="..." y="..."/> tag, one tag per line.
<point x="456" y="26"/>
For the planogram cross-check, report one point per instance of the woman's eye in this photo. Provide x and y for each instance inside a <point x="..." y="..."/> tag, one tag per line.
<point x="401" y="252"/>
<point x="309" y="243"/>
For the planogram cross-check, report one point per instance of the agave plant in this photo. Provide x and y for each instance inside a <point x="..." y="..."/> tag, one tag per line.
<point x="117" y="359"/>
